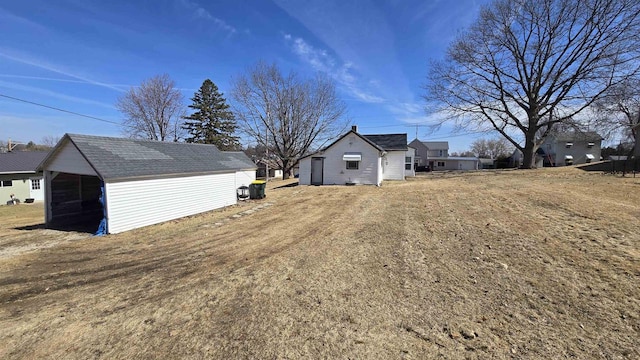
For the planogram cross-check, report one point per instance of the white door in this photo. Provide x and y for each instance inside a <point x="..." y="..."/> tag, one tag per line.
<point x="36" y="186"/>
<point x="317" y="166"/>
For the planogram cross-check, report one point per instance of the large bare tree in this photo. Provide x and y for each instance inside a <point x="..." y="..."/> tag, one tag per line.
<point x="152" y="110"/>
<point x="287" y="114"/>
<point x="619" y="112"/>
<point x="527" y="65"/>
<point x="491" y="148"/>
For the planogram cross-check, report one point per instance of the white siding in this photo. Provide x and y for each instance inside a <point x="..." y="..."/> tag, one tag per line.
<point x="411" y="152"/>
<point x="304" y="171"/>
<point x="69" y="160"/>
<point x="335" y="170"/>
<point x="244" y="178"/>
<point x="394" y="165"/>
<point x="134" y="204"/>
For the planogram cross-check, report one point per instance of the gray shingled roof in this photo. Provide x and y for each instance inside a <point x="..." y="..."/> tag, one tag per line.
<point x="577" y="136"/>
<point x="436" y="145"/>
<point x="117" y="158"/>
<point x="21" y="161"/>
<point x="389" y="142"/>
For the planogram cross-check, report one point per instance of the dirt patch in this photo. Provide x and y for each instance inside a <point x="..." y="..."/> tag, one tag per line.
<point x="518" y="264"/>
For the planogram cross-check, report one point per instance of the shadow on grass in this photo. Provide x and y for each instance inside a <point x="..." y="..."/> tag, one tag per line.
<point x="79" y="227"/>
<point x="293" y="184"/>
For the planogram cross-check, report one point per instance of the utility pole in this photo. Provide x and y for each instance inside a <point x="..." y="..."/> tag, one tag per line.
<point x="266" y="154"/>
<point x="266" y="146"/>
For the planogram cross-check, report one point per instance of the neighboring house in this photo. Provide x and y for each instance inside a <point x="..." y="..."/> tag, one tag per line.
<point x="274" y="171"/>
<point x="409" y="162"/>
<point x="18" y="175"/>
<point x="517" y="157"/>
<point x="487" y="163"/>
<point x="571" y="148"/>
<point x="134" y="183"/>
<point x="359" y="159"/>
<point x="434" y="155"/>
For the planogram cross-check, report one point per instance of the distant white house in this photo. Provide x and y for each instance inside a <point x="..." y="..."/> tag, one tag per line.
<point x="359" y="159"/>
<point x="434" y="155"/>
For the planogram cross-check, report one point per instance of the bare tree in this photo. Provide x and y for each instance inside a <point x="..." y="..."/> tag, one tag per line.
<point x="287" y="114"/>
<point x="153" y="110"/>
<point x="50" y="140"/>
<point x="526" y="65"/>
<point x="619" y="112"/>
<point x="491" y="148"/>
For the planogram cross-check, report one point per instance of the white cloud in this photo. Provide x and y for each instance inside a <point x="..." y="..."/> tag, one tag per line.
<point x="54" y="94"/>
<point x="201" y="13"/>
<point x="28" y="60"/>
<point x="320" y="60"/>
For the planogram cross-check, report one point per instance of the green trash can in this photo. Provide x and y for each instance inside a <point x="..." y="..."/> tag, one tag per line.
<point x="256" y="189"/>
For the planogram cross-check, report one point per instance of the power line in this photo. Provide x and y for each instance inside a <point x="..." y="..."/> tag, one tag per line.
<point x="58" y="109"/>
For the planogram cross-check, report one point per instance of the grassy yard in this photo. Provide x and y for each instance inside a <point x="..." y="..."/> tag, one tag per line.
<point x="516" y="264"/>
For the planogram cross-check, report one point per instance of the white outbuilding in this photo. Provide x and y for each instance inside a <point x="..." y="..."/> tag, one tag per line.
<point x="359" y="159"/>
<point x="122" y="184"/>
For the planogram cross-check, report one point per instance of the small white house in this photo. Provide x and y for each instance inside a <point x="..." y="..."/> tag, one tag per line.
<point x="359" y="159"/>
<point x="127" y="184"/>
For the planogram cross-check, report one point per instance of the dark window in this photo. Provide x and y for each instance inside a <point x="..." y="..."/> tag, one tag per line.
<point x="35" y="184"/>
<point x="440" y="163"/>
<point x="7" y="183"/>
<point x="352" y="165"/>
<point x="407" y="166"/>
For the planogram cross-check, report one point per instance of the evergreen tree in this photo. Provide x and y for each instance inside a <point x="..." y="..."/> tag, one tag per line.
<point x="212" y="122"/>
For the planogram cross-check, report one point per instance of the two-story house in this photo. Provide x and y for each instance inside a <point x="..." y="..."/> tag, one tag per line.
<point x="434" y="155"/>
<point x="571" y="148"/>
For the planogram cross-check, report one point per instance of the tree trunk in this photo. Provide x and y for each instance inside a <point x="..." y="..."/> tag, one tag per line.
<point x="636" y="149"/>
<point x="286" y="169"/>
<point x="529" y="151"/>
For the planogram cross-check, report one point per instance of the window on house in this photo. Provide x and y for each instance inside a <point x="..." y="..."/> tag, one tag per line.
<point x="7" y="183"/>
<point x="352" y="165"/>
<point x="589" y="158"/>
<point x="590" y="145"/>
<point x="568" y="160"/>
<point x="440" y="163"/>
<point x="569" y="144"/>
<point x="440" y="153"/>
<point x="407" y="163"/>
<point x="35" y="184"/>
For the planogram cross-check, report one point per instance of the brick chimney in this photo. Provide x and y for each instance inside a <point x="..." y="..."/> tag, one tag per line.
<point x="354" y="128"/>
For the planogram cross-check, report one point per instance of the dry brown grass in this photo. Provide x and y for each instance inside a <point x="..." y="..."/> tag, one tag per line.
<point x="518" y="264"/>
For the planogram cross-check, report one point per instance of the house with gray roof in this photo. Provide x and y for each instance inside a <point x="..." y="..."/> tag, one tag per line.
<point x="18" y="175"/>
<point x="359" y="159"/>
<point x="434" y="155"/>
<point x="571" y="148"/>
<point x="128" y="183"/>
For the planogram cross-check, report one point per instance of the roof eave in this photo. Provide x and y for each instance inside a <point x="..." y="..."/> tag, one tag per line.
<point x="173" y="175"/>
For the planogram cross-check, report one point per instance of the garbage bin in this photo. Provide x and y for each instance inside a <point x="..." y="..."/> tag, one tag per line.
<point x="256" y="189"/>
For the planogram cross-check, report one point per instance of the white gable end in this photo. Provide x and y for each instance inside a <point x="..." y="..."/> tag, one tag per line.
<point x="70" y="160"/>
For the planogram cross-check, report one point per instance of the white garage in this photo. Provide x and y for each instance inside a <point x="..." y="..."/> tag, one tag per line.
<point x="118" y="184"/>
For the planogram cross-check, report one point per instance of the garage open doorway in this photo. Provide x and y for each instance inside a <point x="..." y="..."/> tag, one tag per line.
<point x="75" y="202"/>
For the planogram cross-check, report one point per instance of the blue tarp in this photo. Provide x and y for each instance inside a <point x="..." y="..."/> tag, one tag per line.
<point x="102" y="228"/>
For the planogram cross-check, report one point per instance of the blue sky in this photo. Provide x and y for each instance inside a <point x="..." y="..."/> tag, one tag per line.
<point x="81" y="55"/>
